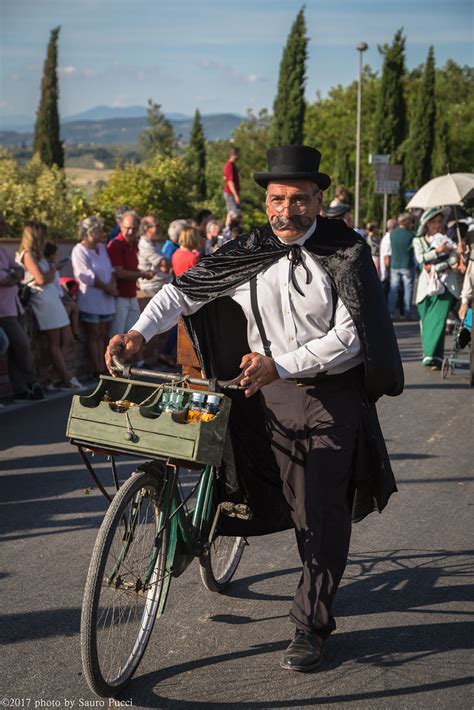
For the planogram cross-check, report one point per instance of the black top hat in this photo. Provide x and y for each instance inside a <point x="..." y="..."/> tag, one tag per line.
<point x="293" y="162"/>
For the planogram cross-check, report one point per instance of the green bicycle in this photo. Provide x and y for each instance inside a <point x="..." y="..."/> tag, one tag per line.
<point x="151" y="533"/>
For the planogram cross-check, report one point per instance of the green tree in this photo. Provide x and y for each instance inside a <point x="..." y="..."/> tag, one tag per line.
<point x="47" y="143"/>
<point x="390" y="122"/>
<point x="442" y="150"/>
<point x="455" y="106"/>
<point x="196" y="158"/>
<point x="161" y="185"/>
<point x="289" y="105"/>
<point x="158" y="138"/>
<point x="421" y="141"/>
<point x="252" y="137"/>
<point x="330" y="127"/>
<point x="390" y="114"/>
<point x="37" y="190"/>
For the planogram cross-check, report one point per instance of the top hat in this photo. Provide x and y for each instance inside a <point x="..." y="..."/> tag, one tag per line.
<point x="293" y="162"/>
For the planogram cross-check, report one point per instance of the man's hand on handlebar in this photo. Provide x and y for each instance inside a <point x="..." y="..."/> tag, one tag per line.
<point x="258" y="371"/>
<point x="125" y="346"/>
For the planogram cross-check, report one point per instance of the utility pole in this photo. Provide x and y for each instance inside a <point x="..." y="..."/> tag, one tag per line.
<point x="361" y="48"/>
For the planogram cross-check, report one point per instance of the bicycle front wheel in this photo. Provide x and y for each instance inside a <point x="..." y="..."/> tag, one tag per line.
<point x="220" y="561"/>
<point x="126" y="580"/>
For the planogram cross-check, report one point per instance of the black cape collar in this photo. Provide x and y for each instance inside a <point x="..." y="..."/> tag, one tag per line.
<point x="345" y="257"/>
<point x="241" y="259"/>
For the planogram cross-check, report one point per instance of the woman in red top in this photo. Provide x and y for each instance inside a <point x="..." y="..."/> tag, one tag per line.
<point x="187" y="255"/>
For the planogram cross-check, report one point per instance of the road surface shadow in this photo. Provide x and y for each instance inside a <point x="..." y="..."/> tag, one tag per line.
<point x="403" y="457"/>
<point x="410" y="580"/>
<point x="416" y="580"/>
<point x="379" y="648"/>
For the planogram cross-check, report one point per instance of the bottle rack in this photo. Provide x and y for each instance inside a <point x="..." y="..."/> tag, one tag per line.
<point x="143" y="428"/>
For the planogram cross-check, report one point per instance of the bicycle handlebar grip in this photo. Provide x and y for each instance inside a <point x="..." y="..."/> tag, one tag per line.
<point x="117" y="361"/>
<point x="231" y="384"/>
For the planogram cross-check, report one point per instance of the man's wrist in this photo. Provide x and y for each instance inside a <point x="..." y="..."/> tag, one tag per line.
<point x="136" y="335"/>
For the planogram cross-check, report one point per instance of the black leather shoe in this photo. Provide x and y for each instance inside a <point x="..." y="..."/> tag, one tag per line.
<point x="304" y="653"/>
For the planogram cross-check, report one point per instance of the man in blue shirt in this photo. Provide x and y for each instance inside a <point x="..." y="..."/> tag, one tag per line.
<point x="402" y="265"/>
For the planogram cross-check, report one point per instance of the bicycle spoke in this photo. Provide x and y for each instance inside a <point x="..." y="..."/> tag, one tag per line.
<point x="127" y="588"/>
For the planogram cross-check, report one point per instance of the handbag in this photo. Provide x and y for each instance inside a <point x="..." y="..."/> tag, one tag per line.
<point x="435" y="287"/>
<point x="24" y="294"/>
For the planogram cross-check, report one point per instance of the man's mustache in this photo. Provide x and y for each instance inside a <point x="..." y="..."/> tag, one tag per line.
<point x="297" y="221"/>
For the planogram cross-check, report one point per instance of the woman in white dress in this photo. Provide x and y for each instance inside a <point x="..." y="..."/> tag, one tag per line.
<point x="47" y="306"/>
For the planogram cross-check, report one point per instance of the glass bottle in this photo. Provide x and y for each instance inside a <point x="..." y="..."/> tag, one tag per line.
<point x="164" y="401"/>
<point x="196" y="407"/>
<point x="211" y="408"/>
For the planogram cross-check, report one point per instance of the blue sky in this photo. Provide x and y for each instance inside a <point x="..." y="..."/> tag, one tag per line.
<point x="217" y="55"/>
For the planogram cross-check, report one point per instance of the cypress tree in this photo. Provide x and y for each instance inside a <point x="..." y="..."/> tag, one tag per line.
<point x="390" y="122"/>
<point x="47" y="142"/>
<point x="158" y="138"/>
<point x="289" y="106"/>
<point x="196" y="157"/>
<point x="390" y="114"/>
<point x="419" y="157"/>
<point x="442" y="152"/>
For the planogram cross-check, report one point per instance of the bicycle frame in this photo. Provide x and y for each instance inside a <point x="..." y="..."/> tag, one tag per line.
<point x="188" y="527"/>
<point x="187" y="530"/>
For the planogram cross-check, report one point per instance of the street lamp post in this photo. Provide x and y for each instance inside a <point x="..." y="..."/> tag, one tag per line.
<point x="361" y="47"/>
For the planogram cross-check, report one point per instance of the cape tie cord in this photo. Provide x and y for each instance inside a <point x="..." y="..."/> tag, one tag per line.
<point x="295" y="257"/>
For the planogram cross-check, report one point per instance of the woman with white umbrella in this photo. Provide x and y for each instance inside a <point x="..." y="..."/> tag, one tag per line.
<point x="438" y="283"/>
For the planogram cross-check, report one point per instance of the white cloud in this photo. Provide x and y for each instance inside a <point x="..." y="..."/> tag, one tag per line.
<point x="228" y="70"/>
<point x="68" y="71"/>
<point x="120" y="102"/>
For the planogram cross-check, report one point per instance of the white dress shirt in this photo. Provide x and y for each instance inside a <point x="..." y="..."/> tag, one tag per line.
<point x="385" y="250"/>
<point x="298" y="327"/>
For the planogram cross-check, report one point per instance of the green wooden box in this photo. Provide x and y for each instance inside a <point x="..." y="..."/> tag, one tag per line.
<point x="143" y="429"/>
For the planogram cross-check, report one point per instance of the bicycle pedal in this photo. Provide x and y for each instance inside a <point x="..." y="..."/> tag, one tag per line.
<point x="236" y="510"/>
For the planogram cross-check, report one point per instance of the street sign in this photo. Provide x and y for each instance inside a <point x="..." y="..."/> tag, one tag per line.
<point x="387" y="178"/>
<point x="379" y="159"/>
<point x="387" y="187"/>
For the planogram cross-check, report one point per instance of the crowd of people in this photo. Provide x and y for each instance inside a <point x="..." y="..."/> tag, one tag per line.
<point x="419" y="264"/>
<point x="114" y="278"/>
<point x="424" y="262"/>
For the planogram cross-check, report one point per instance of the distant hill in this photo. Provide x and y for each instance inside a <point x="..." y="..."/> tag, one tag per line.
<point x="126" y="130"/>
<point x="103" y="113"/>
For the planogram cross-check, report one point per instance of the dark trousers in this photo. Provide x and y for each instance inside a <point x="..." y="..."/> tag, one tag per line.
<point x="20" y="360"/>
<point x="314" y="432"/>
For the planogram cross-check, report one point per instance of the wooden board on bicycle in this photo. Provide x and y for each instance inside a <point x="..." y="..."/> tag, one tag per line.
<point x="146" y="418"/>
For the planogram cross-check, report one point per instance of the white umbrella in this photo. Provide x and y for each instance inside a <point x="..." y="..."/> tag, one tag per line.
<point x="451" y="189"/>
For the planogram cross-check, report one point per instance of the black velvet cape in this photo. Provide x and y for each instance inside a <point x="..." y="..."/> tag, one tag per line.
<point x="219" y="334"/>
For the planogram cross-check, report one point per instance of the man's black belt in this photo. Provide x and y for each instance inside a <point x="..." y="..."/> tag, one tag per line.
<point x="353" y="373"/>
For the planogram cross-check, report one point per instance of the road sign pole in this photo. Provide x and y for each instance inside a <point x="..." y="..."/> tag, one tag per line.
<point x="361" y="47"/>
<point x="385" y="207"/>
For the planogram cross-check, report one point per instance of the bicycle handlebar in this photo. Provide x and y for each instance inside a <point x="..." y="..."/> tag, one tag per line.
<point x="121" y="366"/>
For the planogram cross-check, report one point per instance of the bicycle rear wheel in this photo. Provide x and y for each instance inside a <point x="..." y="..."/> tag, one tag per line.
<point x="127" y="578"/>
<point x="219" y="562"/>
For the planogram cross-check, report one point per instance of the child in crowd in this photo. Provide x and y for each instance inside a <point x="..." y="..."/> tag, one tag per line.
<point x="450" y="254"/>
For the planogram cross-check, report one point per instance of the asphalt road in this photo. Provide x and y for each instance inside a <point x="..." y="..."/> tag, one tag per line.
<point x="404" y="635"/>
